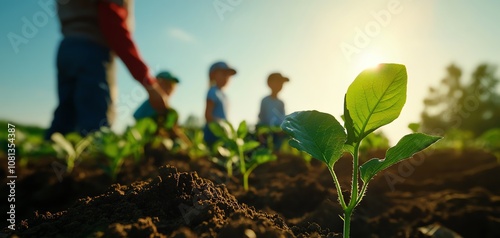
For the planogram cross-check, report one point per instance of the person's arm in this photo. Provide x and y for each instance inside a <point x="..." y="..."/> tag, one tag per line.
<point x="113" y="25"/>
<point x="209" y="111"/>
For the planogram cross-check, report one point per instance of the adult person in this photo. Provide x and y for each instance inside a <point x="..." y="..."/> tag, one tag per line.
<point x="93" y="32"/>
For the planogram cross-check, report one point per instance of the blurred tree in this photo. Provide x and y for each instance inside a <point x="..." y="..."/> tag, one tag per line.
<point x="471" y="106"/>
<point x="193" y="121"/>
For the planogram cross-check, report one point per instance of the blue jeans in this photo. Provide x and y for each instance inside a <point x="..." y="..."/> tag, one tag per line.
<point x="86" y="87"/>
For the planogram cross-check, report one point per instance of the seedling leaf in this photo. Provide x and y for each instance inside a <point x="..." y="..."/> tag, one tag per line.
<point x="261" y="156"/>
<point x="250" y="145"/>
<point x="145" y="126"/>
<point x="217" y="129"/>
<point x="404" y="149"/>
<point x="316" y="133"/>
<point x="375" y="98"/>
<point x="242" y="130"/>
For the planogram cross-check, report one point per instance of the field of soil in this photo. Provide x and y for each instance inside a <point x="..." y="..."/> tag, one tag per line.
<point x="440" y="192"/>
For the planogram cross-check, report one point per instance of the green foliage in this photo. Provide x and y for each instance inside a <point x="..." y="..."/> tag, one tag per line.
<point x="414" y="127"/>
<point x="115" y="148"/>
<point x="198" y="148"/>
<point x="232" y="144"/>
<point x="29" y="142"/>
<point x="73" y="146"/>
<point x="490" y="141"/>
<point x="374" y="99"/>
<point x="467" y="105"/>
<point x="265" y="133"/>
<point x="374" y="141"/>
<point x="405" y="148"/>
<point x="306" y="127"/>
<point x="259" y="156"/>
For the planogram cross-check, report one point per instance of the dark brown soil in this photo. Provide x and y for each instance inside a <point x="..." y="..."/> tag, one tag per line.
<point x="287" y="198"/>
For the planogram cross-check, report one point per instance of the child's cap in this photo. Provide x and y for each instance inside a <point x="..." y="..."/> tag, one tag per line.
<point x="277" y="76"/>
<point x="221" y="65"/>
<point x="165" y="75"/>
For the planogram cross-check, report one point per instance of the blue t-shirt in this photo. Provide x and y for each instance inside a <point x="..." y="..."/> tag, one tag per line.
<point x="272" y="111"/>
<point x="220" y="101"/>
<point x="145" y="110"/>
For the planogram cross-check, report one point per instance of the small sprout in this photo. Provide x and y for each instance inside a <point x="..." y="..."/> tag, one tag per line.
<point x="116" y="148"/>
<point x="73" y="150"/>
<point x="259" y="156"/>
<point x="374" y="99"/>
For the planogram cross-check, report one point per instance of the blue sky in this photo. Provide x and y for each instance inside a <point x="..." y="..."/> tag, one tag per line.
<point x="304" y="40"/>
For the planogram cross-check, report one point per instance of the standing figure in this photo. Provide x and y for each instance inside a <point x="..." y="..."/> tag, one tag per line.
<point x="272" y="109"/>
<point x="217" y="102"/>
<point x="93" y="32"/>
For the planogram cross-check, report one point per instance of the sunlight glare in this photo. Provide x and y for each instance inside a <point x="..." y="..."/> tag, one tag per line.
<point x="369" y="60"/>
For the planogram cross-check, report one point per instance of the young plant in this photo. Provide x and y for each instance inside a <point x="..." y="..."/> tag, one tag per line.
<point x="115" y="148"/>
<point x="198" y="148"/>
<point x="259" y="156"/>
<point x="232" y="143"/>
<point x="73" y="145"/>
<point x="265" y="134"/>
<point x="139" y="135"/>
<point x="374" y="99"/>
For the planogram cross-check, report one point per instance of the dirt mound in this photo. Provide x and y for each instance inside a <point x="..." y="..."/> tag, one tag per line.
<point x="174" y="204"/>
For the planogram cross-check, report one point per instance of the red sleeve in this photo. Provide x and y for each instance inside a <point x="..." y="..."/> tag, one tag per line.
<point x="113" y="24"/>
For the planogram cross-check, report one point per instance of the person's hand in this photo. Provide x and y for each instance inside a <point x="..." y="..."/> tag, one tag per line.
<point x="157" y="98"/>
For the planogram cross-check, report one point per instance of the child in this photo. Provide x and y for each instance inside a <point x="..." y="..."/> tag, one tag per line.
<point x="272" y="109"/>
<point x="167" y="122"/>
<point x="216" y="106"/>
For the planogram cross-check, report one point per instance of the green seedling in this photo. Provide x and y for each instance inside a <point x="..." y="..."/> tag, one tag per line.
<point x="414" y="127"/>
<point x="376" y="141"/>
<point x="266" y="133"/>
<point x="198" y="148"/>
<point x="232" y="143"/>
<point x="73" y="146"/>
<point x="490" y="141"/>
<point x="374" y="99"/>
<point x="259" y="156"/>
<point x="139" y="135"/>
<point x="115" y="148"/>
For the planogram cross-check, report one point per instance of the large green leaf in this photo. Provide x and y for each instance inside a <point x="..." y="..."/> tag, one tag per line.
<point x="376" y="98"/>
<point x="316" y="133"/>
<point x="404" y="149"/>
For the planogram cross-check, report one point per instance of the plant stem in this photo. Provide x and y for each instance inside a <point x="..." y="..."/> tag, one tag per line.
<point x="362" y="193"/>
<point x="347" y="223"/>
<point x="243" y="168"/>
<point x="354" y="192"/>
<point x="229" y="167"/>
<point x="246" y="175"/>
<point x="354" y="189"/>
<point x="339" y="188"/>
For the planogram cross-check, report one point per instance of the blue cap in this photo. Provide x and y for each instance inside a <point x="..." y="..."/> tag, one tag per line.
<point x="221" y="65"/>
<point x="165" y="75"/>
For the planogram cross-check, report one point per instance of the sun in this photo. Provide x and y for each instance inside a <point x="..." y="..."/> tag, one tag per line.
<point x="369" y="60"/>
